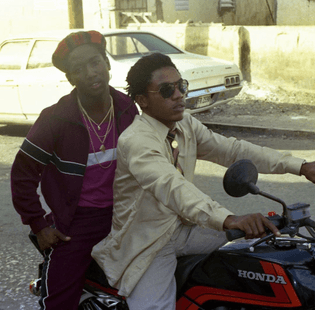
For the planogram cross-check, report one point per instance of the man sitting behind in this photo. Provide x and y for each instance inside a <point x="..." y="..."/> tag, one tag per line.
<point x="158" y="213"/>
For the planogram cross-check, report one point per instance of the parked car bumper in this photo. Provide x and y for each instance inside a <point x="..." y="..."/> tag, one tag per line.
<point x="204" y="99"/>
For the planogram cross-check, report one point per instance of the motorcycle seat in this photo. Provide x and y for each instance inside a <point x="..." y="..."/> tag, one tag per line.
<point x="95" y="274"/>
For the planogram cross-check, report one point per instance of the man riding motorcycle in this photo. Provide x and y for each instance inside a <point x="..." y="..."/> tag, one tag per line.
<point x="158" y="213"/>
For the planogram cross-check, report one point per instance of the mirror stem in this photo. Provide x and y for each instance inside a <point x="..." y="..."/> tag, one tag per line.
<point x="274" y="199"/>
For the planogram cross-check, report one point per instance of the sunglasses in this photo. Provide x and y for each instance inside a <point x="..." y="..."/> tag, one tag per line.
<point x="167" y="90"/>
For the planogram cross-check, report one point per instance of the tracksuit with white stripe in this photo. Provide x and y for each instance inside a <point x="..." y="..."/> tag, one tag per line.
<point x="57" y="154"/>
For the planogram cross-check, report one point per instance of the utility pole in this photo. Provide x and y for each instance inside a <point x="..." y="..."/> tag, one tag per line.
<point x="75" y="12"/>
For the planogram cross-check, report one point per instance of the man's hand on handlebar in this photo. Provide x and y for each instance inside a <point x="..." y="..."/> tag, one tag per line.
<point x="49" y="236"/>
<point x="308" y="170"/>
<point x="252" y="224"/>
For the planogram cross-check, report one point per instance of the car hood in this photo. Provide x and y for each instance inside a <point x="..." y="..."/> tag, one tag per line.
<point x="200" y="71"/>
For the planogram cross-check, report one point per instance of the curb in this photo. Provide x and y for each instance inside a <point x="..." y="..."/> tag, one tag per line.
<point x="292" y="133"/>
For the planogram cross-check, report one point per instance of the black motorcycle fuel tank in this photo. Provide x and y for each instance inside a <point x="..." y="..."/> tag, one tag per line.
<point x="270" y="277"/>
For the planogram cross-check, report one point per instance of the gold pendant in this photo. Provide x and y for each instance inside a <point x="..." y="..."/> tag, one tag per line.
<point x="174" y="144"/>
<point x="102" y="148"/>
<point x="98" y="127"/>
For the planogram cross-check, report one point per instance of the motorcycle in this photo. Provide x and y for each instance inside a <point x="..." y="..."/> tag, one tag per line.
<point x="267" y="273"/>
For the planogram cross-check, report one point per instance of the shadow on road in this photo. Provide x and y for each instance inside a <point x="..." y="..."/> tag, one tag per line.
<point x="14" y="130"/>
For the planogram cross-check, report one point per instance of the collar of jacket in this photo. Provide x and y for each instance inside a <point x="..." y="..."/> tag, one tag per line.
<point x="159" y="127"/>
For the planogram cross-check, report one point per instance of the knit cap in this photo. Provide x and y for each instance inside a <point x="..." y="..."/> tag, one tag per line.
<point x="73" y="40"/>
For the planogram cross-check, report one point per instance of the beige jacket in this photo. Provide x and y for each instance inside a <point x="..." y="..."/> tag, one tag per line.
<point x="150" y="195"/>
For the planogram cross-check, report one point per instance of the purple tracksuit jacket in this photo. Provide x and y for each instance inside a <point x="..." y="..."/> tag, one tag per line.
<point x="54" y="154"/>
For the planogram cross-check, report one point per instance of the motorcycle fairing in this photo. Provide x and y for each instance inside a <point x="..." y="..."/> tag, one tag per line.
<point x="304" y="279"/>
<point x="284" y="295"/>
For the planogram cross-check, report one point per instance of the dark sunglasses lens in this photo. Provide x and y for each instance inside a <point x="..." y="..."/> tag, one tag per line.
<point x="167" y="90"/>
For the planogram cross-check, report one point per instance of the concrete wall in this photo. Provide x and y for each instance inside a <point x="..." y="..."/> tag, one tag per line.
<point x="248" y="12"/>
<point x="284" y="55"/>
<point x="202" y="10"/>
<point x="255" y="12"/>
<point x="26" y="16"/>
<point x="296" y="12"/>
<point x="20" y="16"/>
<point x="281" y="55"/>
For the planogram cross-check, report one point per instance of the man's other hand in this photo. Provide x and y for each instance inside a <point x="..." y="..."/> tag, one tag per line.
<point x="49" y="236"/>
<point x="308" y="170"/>
<point x="252" y="224"/>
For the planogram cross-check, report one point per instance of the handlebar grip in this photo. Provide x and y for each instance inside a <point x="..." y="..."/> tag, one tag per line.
<point x="233" y="234"/>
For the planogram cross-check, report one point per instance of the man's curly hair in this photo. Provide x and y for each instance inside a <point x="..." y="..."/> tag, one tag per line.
<point x="140" y="74"/>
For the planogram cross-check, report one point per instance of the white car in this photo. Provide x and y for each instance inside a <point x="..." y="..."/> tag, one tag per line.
<point x="29" y="82"/>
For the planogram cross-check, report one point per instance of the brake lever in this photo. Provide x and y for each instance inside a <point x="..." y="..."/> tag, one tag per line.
<point x="291" y="230"/>
<point x="261" y="240"/>
<point x="310" y="230"/>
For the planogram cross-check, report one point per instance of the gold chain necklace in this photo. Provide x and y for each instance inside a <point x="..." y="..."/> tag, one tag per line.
<point x="110" y="125"/>
<point x="108" y="129"/>
<point x="93" y="148"/>
<point x="90" y="119"/>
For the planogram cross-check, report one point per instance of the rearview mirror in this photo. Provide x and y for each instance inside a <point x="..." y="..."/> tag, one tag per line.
<point x="240" y="179"/>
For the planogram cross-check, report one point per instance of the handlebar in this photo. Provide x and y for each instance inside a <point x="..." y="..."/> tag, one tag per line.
<point x="240" y="179"/>
<point x="277" y="220"/>
<point x="309" y="222"/>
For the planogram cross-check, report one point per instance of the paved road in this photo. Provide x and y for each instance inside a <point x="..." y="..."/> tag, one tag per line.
<point x="19" y="259"/>
<point x="288" y="187"/>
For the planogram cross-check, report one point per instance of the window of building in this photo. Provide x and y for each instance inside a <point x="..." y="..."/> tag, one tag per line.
<point x="181" y="5"/>
<point x="226" y="6"/>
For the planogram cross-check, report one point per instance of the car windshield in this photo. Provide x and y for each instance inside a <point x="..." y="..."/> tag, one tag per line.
<point x="121" y="46"/>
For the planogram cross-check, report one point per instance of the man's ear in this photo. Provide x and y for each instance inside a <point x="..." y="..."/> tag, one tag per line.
<point x="107" y="63"/>
<point x="68" y="76"/>
<point x="142" y="101"/>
